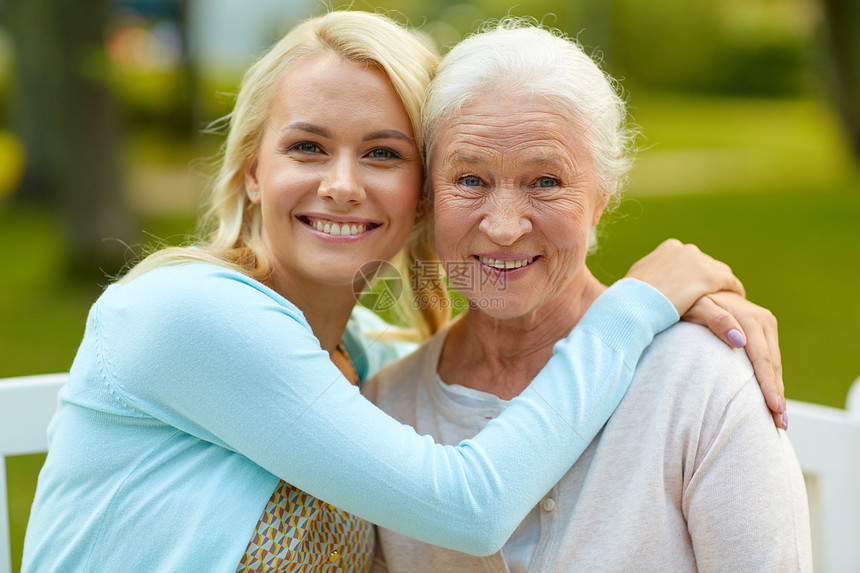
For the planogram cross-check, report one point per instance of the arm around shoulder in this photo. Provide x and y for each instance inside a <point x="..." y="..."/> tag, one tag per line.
<point x="240" y="368"/>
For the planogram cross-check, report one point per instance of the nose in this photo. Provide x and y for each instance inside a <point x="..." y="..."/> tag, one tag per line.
<point x="341" y="182"/>
<point x="506" y="217"/>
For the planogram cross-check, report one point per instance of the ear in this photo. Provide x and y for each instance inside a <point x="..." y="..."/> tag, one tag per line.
<point x="422" y="208"/>
<point x="252" y="186"/>
<point x="600" y="207"/>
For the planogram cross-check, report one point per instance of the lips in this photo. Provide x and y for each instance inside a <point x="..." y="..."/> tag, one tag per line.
<point x="503" y="265"/>
<point x="337" y="228"/>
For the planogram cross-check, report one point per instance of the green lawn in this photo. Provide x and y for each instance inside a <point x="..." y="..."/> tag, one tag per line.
<point x="797" y="252"/>
<point x="764" y="186"/>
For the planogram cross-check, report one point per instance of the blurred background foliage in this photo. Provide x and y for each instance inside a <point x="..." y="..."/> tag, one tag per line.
<point x="741" y="105"/>
<point x="749" y="112"/>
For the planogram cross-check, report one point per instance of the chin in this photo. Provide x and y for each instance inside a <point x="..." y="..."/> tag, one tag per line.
<point x="500" y="307"/>
<point x="332" y="274"/>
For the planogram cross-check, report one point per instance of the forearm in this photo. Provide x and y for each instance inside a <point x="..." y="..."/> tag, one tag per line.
<point x="481" y="489"/>
<point x="276" y="398"/>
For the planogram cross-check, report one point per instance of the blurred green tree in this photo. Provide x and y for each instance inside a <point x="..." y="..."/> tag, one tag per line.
<point x="741" y="47"/>
<point x="67" y="116"/>
<point x="843" y="23"/>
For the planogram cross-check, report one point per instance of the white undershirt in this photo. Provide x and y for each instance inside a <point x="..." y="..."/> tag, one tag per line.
<point x="520" y="547"/>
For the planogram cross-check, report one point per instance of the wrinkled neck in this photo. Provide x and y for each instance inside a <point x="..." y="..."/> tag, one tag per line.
<point x="502" y="356"/>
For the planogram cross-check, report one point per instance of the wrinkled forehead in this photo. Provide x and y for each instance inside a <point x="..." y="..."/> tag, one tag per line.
<point x="510" y="126"/>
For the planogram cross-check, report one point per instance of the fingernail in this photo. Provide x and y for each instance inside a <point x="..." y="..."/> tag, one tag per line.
<point x="736" y="339"/>
<point x="781" y="405"/>
<point x="785" y="421"/>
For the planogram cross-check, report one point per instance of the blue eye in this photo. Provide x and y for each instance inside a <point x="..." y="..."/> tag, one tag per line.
<point x="383" y="153"/>
<point x="546" y="182"/>
<point x="470" y="181"/>
<point x="305" y="147"/>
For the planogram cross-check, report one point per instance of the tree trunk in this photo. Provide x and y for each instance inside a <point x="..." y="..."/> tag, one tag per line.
<point x="70" y="123"/>
<point x="843" y="23"/>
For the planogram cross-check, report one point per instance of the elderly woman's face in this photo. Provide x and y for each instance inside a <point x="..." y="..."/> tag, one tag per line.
<point x="515" y="199"/>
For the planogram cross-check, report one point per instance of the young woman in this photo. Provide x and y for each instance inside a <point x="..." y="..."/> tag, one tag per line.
<point x="205" y="422"/>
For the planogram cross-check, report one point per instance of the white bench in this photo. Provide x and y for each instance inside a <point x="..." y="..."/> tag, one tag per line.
<point x="827" y="442"/>
<point x="26" y="406"/>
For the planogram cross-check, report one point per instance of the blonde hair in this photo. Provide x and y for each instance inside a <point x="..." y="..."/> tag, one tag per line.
<point x="235" y="240"/>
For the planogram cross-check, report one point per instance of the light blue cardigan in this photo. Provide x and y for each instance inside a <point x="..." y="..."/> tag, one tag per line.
<point x="195" y="388"/>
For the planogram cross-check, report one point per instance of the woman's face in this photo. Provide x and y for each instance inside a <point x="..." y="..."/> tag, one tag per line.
<point x="337" y="175"/>
<point x="516" y="196"/>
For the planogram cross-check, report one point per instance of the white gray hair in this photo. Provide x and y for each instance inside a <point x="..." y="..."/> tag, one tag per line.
<point x="519" y="55"/>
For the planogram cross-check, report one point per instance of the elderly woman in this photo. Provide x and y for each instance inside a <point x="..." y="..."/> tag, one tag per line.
<point x="524" y="136"/>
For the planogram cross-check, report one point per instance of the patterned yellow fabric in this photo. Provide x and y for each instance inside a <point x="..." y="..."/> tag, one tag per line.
<point x="298" y="532"/>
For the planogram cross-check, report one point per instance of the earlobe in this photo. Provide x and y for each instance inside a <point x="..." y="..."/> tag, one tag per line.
<point x="599" y="209"/>
<point x="252" y="186"/>
<point x="421" y="208"/>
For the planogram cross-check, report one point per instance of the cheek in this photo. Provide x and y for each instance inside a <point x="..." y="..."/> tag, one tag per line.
<point x="286" y="181"/>
<point x="402" y="191"/>
<point x="446" y="232"/>
<point x="567" y="228"/>
<point x="455" y="218"/>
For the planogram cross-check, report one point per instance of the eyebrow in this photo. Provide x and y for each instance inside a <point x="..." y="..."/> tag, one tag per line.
<point x="323" y="132"/>
<point x="310" y="128"/>
<point x="460" y="157"/>
<point x="543" y="160"/>
<point x="387" y="134"/>
<point x="472" y="159"/>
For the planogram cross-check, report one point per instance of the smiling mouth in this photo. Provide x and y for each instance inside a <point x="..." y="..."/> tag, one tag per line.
<point x="500" y="265"/>
<point x="342" y="229"/>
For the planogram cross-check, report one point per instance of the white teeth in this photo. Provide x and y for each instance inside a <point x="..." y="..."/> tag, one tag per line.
<point x="505" y="265"/>
<point x="339" y="229"/>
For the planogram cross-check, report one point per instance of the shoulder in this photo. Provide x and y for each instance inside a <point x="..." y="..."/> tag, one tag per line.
<point x="692" y="393"/>
<point x="195" y="292"/>
<point x="688" y="349"/>
<point x="192" y="309"/>
<point x="192" y="325"/>
<point x="693" y="374"/>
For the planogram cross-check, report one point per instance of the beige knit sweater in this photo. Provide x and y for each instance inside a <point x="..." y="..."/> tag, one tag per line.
<point x="689" y="474"/>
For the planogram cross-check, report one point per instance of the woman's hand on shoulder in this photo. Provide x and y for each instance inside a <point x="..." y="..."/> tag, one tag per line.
<point x="684" y="274"/>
